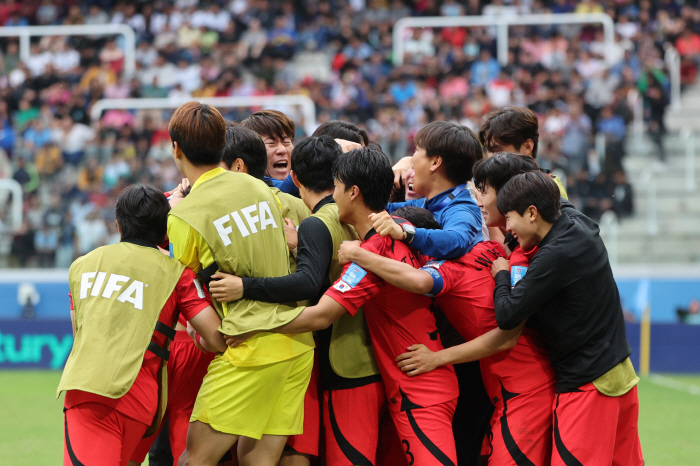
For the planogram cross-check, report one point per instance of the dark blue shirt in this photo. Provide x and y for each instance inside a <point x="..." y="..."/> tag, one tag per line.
<point x="460" y="220"/>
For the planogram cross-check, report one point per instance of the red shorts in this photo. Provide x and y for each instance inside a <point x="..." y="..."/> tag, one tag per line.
<point x="390" y="451"/>
<point x="351" y="420"/>
<point x="187" y="366"/>
<point x="97" y="434"/>
<point x="592" y="428"/>
<point x="426" y="434"/>
<point x="521" y="427"/>
<point x="307" y="443"/>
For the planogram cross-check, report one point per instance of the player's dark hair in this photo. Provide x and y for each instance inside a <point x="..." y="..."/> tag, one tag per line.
<point x="142" y="213"/>
<point x="339" y="129"/>
<point x="271" y="123"/>
<point x="531" y="189"/>
<point x="509" y="125"/>
<point x="456" y="144"/>
<point x="369" y="170"/>
<point x="312" y="162"/>
<point x="200" y="131"/>
<point x="247" y="145"/>
<point x="499" y="168"/>
<point x="419" y="217"/>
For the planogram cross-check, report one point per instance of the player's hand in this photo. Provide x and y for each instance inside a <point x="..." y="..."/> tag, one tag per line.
<point x="225" y="287"/>
<point x="499" y="264"/>
<point x="178" y="194"/>
<point x="385" y="225"/>
<point x="235" y="340"/>
<point x="193" y="335"/>
<point x="400" y="170"/>
<point x="290" y="230"/>
<point x="346" y="145"/>
<point x="347" y="251"/>
<point x="418" y="360"/>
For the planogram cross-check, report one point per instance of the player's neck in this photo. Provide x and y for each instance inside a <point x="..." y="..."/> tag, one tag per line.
<point x="542" y="230"/>
<point x="311" y="198"/>
<point x="193" y="173"/>
<point x="361" y="222"/>
<point x="439" y="185"/>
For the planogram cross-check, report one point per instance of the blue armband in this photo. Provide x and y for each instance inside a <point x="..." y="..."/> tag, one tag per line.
<point x="438" y="282"/>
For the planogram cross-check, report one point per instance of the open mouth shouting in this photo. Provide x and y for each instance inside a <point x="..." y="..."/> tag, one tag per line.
<point x="280" y="169"/>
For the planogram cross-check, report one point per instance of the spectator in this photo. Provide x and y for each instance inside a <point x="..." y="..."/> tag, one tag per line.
<point x="484" y="70"/>
<point x="45" y="246"/>
<point x="614" y="129"/>
<point x="689" y="314"/>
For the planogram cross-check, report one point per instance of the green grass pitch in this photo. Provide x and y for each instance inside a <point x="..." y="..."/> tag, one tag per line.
<point x="31" y="432"/>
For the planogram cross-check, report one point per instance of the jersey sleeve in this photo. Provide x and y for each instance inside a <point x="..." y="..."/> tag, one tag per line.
<point x="182" y="243"/>
<point x="355" y="287"/>
<point x="444" y="275"/>
<point x="191" y="297"/>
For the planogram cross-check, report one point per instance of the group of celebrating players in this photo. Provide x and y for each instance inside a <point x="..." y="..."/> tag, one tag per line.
<point x="310" y="304"/>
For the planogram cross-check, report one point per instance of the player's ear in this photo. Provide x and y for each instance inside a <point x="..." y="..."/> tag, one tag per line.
<point x="354" y="192"/>
<point x="436" y="163"/>
<point x="177" y="152"/>
<point x="295" y="179"/>
<point x="527" y="147"/>
<point x="240" y="165"/>
<point x="532" y="213"/>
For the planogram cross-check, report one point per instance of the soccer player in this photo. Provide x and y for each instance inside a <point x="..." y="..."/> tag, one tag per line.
<point x="442" y="163"/>
<point x="519" y="380"/>
<point x="278" y="132"/>
<point x="245" y="153"/>
<point x="515" y="130"/>
<point x="338" y="129"/>
<point x="114" y="375"/>
<point x="252" y="394"/>
<point x="443" y="160"/>
<point x="421" y="407"/>
<point x="348" y="372"/>
<point x="570" y="288"/>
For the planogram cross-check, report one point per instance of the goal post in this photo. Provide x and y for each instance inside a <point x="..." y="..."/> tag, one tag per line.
<point x="25" y="33"/>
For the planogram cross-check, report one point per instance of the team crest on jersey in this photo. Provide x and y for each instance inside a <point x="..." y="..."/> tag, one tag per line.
<point x="353" y="275"/>
<point x="342" y="286"/>
<point x="434" y="264"/>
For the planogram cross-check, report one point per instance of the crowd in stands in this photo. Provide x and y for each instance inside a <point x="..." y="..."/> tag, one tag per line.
<point x="72" y="169"/>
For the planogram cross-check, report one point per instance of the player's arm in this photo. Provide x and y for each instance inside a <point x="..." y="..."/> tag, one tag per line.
<point x="313" y="318"/>
<point x="206" y="323"/>
<point x="397" y="273"/>
<point x="315" y="252"/>
<point x="420" y="359"/>
<point x="461" y="230"/>
<point x="515" y="304"/>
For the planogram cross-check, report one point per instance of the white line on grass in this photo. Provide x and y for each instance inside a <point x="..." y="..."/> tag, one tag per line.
<point x="674" y="384"/>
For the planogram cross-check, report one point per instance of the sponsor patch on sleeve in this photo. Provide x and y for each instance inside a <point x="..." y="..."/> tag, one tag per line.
<point x="353" y="275"/>
<point x="517" y="272"/>
<point x="341" y="286"/>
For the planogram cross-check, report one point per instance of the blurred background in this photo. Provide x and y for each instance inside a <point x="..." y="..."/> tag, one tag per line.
<point x="87" y="89"/>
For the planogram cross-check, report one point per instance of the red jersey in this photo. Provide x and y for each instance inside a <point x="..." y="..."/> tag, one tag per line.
<point x="463" y="288"/>
<point x="396" y="319"/>
<point x="140" y="402"/>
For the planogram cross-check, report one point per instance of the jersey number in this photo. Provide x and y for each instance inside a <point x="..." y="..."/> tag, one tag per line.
<point x="408" y="452"/>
